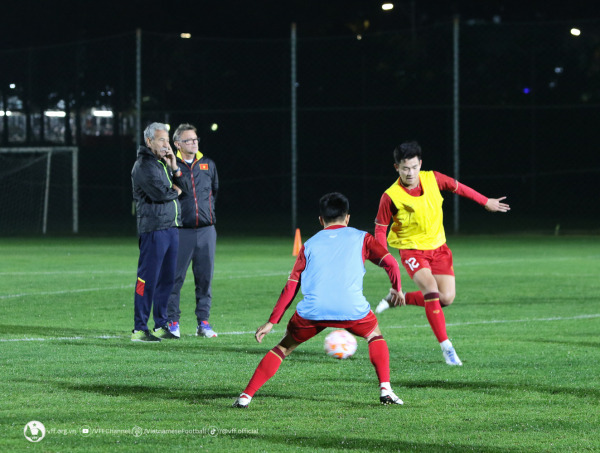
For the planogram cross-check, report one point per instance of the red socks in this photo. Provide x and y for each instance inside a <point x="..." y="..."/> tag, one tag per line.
<point x="435" y="316"/>
<point x="380" y="358"/>
<point x="415" y="298"/>
<point x="265" y="370"/>
<point x="379" y="355"/>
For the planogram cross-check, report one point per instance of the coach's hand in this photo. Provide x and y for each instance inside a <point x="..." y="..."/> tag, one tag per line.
<point x="262" y="331"/>
<point x="170" y="158"/>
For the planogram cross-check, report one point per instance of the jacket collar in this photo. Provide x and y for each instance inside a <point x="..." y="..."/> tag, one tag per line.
<point x="198" y="155"/>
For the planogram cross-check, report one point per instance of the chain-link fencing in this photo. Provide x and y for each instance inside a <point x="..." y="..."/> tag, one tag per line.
<point x="524" y="125"/>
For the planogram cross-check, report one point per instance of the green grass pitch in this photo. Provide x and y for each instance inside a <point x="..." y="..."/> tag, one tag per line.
<point x="525" y="322"/>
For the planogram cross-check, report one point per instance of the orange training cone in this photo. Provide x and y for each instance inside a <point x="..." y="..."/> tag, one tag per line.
<point x="297" y="243"/>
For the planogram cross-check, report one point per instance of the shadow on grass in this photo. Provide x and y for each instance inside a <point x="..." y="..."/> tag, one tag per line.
<point x="487" y="386"/>
<point x="143" y="392"/>
<point x="337" y="443"/>
<point x="584" y="344"/>
<point x="52" y="331"/>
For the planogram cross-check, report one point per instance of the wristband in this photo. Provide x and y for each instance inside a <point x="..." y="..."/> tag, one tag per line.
<point x="177" y="171"/>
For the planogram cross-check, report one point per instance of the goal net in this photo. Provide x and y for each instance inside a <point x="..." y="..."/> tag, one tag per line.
<point x="39" y="190"/>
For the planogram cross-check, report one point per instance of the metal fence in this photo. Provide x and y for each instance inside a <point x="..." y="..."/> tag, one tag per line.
<point x="527" y="115"/>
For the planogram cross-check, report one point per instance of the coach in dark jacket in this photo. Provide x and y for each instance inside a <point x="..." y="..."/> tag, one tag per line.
<point x="197" y="237"/>
<point x="157" y="182"/>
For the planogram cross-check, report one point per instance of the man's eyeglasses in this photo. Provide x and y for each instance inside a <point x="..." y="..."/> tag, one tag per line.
<point x="189" y="141"/>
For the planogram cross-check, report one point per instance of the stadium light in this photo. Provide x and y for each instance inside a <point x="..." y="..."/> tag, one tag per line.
<point x="387" y="6"/>
<point x="12" y="86"/>
<point x="102" y="113"/>
<point x="575" y="31"/>
<point x="55" y="114"/>
<point x="185" y="35"/>
<point x="214" y="127"/>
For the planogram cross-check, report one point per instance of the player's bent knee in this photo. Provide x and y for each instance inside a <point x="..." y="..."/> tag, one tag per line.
<point x="287" y="348"/>
<point x="446" y="300"/>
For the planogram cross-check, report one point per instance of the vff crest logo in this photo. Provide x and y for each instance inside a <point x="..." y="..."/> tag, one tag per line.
<point x="34" y="431"/>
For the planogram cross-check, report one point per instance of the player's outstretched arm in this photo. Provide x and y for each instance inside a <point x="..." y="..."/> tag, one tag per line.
<point x="262" y="331"/>
<point x="496" y="205"/>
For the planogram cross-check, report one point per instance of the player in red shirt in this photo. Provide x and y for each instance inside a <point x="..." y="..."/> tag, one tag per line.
<point x="330" y="267"/>
<point x="414" y="206"/>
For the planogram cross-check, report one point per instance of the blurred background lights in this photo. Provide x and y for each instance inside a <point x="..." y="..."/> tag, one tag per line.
<point x="55" y="114"/>
<point x="575" y="31"/>
<point x="102" y="113"/>
<point x="185" y="35"/>
<point x="387" y="6"/>
<point x="214" y="127"/>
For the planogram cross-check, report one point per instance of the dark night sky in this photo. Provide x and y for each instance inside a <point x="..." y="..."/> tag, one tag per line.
<point x="35" y="23"/>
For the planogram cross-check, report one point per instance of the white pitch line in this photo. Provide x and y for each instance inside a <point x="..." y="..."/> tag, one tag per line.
<point x="111" y="288"/>
<point x="503" y="321"/>
<point x="496" y="321"/>
<point x="66" y="291"/>
<point x="217" y="275"/>
<point x="67" y="272"/>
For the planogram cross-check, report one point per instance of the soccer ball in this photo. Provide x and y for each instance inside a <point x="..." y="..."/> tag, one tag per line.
<point x="340" y="344"/>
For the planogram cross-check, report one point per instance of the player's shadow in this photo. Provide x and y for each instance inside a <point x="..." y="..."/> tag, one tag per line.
<point x="487" y="386"/>
<point x="191" y="396"/>
<point x="42" y="331"/>
<point x="365" y="443"/>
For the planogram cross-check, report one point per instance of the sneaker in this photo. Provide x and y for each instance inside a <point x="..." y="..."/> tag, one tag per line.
<point x="174" y="328"/>
<point x="205" y="330"/>
<point x="242" y="401"/>
<point x="383" y="305"/>
<point x="451" y="357"/>
<point x="143" y="335"/>
<point x="164" y="333"/>
<point x="387" y="396"/>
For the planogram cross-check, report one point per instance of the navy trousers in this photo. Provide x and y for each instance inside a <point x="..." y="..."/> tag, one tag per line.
<point x="155" y="276"/>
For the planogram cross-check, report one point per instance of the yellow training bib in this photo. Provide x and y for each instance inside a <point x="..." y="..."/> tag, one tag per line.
<point x="419" y="222"/>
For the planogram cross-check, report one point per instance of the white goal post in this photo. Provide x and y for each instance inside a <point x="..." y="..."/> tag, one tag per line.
<point x="17" y="173"/>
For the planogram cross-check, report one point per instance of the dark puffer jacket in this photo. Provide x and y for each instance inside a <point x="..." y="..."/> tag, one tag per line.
<point x="156" y="201"/>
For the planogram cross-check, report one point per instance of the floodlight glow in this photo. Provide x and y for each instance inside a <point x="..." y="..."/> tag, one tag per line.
<point x="575" y="31"/>
<point x="12" y="86"/>
<point x="102" y="113"/>
<point x="387" y="6"/>
<point x="214" y="127"/>
<point x="185" y="35"/>
<point x="55" y="114"/>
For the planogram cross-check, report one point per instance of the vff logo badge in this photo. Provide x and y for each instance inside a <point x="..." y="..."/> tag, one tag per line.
<point x="34" y="431"/>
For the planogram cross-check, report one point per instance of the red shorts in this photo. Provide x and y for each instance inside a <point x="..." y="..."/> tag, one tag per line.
<point x="304" y="329"/>
<point x="438" y="260"/>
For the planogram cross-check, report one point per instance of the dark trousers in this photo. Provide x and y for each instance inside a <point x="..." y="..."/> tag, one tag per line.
<point x="155" y="276"/>
<point x="196" y="246"/>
